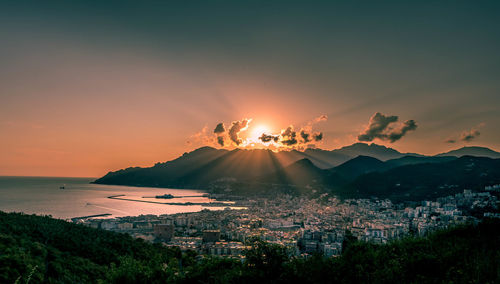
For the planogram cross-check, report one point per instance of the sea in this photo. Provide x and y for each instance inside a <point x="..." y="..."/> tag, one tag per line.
<point x="66" y="198"/>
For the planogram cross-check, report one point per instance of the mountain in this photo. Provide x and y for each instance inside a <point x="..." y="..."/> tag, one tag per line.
<point x="413" y="160"/>
<point x="198" y="168"/>
<point x="372" y="150"/>
<point x="472" y="151"/>
<point x="326" y="159"/>
<point x="302" y="172"/>
<point x="358" y="166"/>
<point x="238" y="164"/>
<point x="427" y="180"/>
<point x="163" y="174"/>
<point x="382" y="172"/>
<point x="365" y="164"/>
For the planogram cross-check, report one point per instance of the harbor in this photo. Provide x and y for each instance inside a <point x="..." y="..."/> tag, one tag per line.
<point x="205" y="204"/>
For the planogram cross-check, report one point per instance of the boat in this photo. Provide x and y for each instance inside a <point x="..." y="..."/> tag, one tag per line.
<point x="165" y="196"/>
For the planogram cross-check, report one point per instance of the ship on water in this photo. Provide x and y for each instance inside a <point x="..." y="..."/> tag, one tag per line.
<point x="165" y="196"/>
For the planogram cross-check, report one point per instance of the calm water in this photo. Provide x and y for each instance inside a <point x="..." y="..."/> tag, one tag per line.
<point x="41" y="195"/>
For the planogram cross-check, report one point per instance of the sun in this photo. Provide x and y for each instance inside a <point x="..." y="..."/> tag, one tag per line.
<point x="258" y="130"/>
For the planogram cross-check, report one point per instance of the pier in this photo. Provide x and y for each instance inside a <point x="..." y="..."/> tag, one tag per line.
<point x="121" y="197"/>
<point x="90" y="216"/>
<point x="183" y="196"/>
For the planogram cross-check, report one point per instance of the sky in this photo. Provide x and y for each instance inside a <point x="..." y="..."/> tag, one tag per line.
<point x="92" y="86"/>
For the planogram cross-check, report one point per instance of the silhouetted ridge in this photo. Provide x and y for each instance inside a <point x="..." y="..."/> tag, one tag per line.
<point x="472" y="151"/>
<point x="358" y="166"/>
<point x="248" y="172"/>
<point x="302" y="172"/>
<point x="428" y="180"/>
<point x="412" y="160"/>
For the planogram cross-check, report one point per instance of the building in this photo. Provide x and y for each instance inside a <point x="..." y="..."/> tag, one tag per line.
<point x="211" y="236"/>
<point x="164" y="232"/>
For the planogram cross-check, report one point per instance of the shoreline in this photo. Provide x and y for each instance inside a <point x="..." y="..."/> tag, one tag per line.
<point x="210" y="204"/>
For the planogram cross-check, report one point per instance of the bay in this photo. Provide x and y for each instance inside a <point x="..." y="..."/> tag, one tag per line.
<point x="43" y="196"/>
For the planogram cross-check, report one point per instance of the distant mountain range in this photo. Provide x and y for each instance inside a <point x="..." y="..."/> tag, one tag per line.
<point x="358" y="170"/>
<point x="472" y="151"/>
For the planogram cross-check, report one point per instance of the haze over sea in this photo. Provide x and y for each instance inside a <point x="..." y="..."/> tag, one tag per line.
<point x="42" y="195"/>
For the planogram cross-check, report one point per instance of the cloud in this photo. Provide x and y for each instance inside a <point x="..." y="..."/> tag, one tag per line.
<point x="468" y="136"/>
<point x="318" y="136"/>
<point x="378" y="124"/>
<point x="306" y="137"/>
<point x="397" y="134"/>
<point x="200" y="138"/>
<point x="236" y="128"/>
<point x="381" y="127"/>
<point x="288" y="136"/>
<point x="220" y="140"/>
<point x="220" y="129"/>
<point x="265" y="138"/>
<point x="320" y="118"/>
<point x="227" y="136"/>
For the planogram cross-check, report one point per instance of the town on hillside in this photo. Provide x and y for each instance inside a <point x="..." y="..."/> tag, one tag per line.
<point x="305" y="225"/>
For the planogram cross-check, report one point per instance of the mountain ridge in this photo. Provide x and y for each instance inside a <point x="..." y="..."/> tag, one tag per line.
<point x="477" y="151"/>
<point x="244" y="170"/>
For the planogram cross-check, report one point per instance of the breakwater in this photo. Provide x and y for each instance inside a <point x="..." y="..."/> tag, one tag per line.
<point x="214" y="204"/>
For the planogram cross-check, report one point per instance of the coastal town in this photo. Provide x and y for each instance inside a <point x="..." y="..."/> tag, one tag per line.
<point x="304" y="225"/>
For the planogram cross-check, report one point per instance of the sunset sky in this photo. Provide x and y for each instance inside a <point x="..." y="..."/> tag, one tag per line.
<point x="92" y="86"/>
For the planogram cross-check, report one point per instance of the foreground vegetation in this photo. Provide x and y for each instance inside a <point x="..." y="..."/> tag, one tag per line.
<point x="41" y="249"/>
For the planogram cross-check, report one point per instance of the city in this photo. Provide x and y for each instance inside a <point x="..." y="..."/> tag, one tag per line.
<point x="305" y="225"/>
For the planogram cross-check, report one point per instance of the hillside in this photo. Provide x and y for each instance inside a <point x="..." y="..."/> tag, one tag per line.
<point x="41" y="249"/>
<point x="426" y="181"/>
<point x="358" y="166"/>
<point x="55" y="251"/>
<point x="472" y="151"/>
<point x="302" y="173"/>
<point x="163" y="174"/>
<point x="204" y="165"/>
<point x="251" y="172"/>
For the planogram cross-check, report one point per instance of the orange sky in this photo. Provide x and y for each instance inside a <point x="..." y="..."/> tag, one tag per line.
<point x="87" y="88"/>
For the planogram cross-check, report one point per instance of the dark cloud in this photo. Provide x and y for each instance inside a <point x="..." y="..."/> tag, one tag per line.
<point x="220" y="140"/>
<point x="288" y="136"/>
<point x="318" y="136"/>
<point x="219" y="129"/>
<point x="306" y="137"/>
<point x="379" y="127"/>
<point x="269" y="137"/>
<point x="468" y="136"/>
<point x="236" y="127"/>
<point x="378" y="124"/>
<point x="397" y="134"/>
<point x="289" y="141"/>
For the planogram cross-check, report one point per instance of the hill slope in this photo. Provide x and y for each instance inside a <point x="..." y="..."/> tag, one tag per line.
<point x="358" y="166"/>
<point x="206" y="164"/>
<point x="55" y="251"/>
<point x="302" y="172"/>
<point x="472" y="151"/>
<point x="426" y="181"/>
<point x="264" y="172"/>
